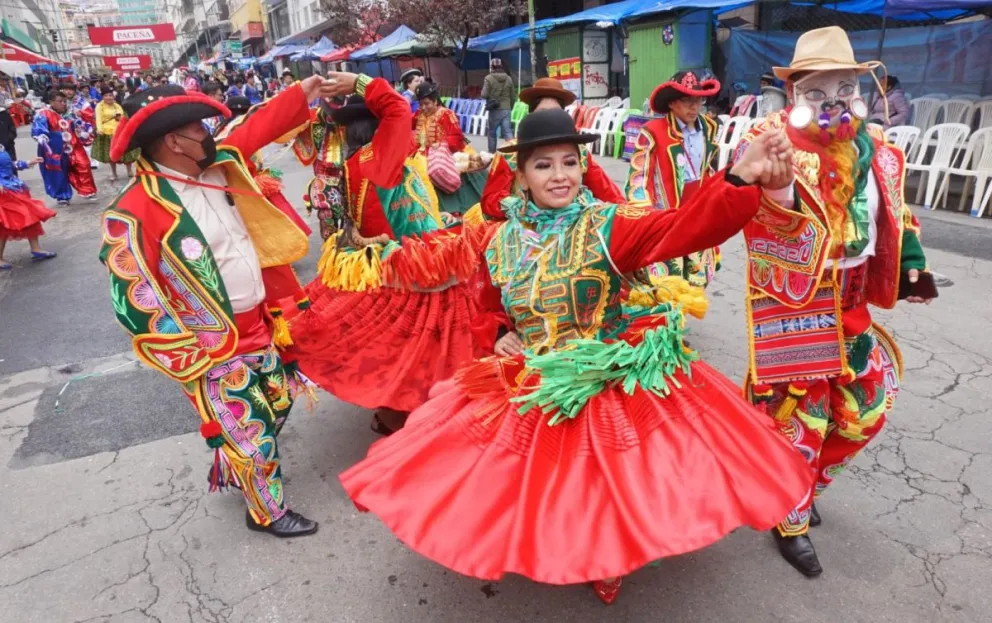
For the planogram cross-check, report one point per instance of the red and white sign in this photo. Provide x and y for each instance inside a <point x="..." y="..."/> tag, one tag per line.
<point x="13" y="52"/>
<point x="128" y="63"/>
<point x="252" y="30"/>
<point x="119" y="35"/>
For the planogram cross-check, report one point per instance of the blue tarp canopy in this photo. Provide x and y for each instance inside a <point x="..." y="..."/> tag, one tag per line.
<point x="313" y="53"/>
<point x="884" y="7"/>
<point x="282" y="50"/>
<point x="896" y="7"/>
<point x="401" y="34"/>
<point x="509" y="38"/>
<point x="629" y="9"/>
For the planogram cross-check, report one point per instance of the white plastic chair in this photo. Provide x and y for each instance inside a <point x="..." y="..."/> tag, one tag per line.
<point x="478" y="124"/>
<point x="599" y="124"/>
<point x="937" y="96"/>
<point x="971" y="97"/>
<point x="608" y="129"/>
<point x="570" y="109"/>
<point x="903" y="136"/>
<point x="947" y="137"/>
<point x="983" y="113"/>
<point x="924" y="111"/>
<point x="625" y="102"/>
<point x="723" y="119"/>
<point x="731" y="137"/>
<point x="954" y="111"/>
<point x="614" y="102"/>
<point x="975" y="165"/>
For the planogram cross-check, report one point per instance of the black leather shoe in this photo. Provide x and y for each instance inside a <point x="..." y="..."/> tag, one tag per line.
<point x="814" y="516"/>
<point x="798" y="551"/>
<point x="289" y="525"/>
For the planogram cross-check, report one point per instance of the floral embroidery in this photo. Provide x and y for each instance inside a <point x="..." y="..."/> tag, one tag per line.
<point x="192" y="248"/>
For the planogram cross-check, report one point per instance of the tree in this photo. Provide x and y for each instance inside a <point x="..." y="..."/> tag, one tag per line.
<point x="442" y="23"/>
<point x="357" y="22"/>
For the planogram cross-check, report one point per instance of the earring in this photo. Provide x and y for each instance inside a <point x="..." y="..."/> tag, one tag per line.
<point x="859" y="108"/>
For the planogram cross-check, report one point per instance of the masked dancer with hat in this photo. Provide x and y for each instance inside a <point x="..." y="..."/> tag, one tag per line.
<point x="673" y="157"/>
<point x="547" y="93"/>
<point x="199" y="264"/>
<point x="606" y="444"/>
<point x="391" y="309"/>
<point x="268" y="180"/>
<point x="820" y="251"/>
<point x="60" y="144"/>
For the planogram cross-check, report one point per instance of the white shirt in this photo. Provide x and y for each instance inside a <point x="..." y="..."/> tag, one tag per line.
<point x="226" y="236"/>
<point x="785" y="197"/>
<point x="695" y="149"/>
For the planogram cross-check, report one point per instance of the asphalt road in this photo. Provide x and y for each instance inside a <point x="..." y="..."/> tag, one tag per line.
<point x="107" y="518"/>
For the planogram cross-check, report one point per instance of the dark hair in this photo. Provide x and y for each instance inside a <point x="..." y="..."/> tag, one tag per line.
<point x="891" y="82"/>
<point x="212" y="87"/>
<point x="106" y="91"/>
<point x="239" y="80"/>
<point x="359" y="133"/>
<point x="409" y="79"/>
<point x="53" y="94"/>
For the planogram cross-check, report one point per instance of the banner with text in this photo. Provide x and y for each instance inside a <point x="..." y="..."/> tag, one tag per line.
<point x="128" y="63"/>
<point x="568" y="71"/>
<point x="120" y="35"/>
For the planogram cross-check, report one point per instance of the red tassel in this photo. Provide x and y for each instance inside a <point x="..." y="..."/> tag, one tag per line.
<point x="824" y="137"/>
<point x="210" y="429"/>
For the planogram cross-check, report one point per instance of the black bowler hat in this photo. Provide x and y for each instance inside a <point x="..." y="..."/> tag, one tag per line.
<point x="158" y="110"/>
<point x="426" y="89"/>
<point x="238" y="105"/>
<point x="552" y="126"/>
<point x="354" y="109"/>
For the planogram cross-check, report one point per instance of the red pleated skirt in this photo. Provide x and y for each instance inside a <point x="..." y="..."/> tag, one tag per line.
<point x="21" y="216"/>
<point x="385" y="347"/>
<point x="630" y="480"/>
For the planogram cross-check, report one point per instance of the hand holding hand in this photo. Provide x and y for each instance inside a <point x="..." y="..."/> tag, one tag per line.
<point x="509" y="345"/>
<point x="914" y="276"/>
<point x="766" y="161"/>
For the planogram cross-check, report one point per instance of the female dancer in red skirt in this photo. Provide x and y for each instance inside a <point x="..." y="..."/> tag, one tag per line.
<point x="390" y="309"/>
<point x="607" y="444"/>
<point x="20" y="215"/>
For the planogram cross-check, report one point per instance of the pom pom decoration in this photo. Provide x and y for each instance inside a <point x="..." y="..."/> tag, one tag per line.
<point x="823" y="122"/>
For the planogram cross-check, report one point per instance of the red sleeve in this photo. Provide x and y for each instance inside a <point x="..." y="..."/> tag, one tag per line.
<point x="269" y="121"/>
<point x="490" y="317"/>
<point x="602" y="187"/>
<point x="393" y="141"/>
<point x="717" y="211"/>
<point x="498" y="186"/>
<point x="453" y="132"/>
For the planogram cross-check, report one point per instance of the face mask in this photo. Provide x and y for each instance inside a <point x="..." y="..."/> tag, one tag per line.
<point x="209" y="147"/>
<point x="830" y="97"/>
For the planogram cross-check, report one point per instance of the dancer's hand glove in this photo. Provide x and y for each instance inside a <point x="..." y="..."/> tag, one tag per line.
<point x="766" y="161"/>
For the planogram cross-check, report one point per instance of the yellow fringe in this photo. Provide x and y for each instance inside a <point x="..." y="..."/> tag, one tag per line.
<point x="350" y="270"/>
<point x="280" y="330"/>
<point x="785" y="410"/>
<point x="474" y="216"/>
<point x="674" y="290"/>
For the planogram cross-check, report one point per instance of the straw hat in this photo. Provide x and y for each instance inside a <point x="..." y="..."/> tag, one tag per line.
<point x="823" y="49"/>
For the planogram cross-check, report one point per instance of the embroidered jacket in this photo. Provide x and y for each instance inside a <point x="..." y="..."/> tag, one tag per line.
<point x="657" y="167"/>
<point x="441" y="127"/>
<point x="787" y="251"/>
<point x="502" y="182"/>
<point x="164" y="282"/>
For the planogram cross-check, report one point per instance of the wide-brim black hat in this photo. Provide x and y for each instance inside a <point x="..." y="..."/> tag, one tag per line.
<point x="682" y="84"/>
<point x="354" y="109"/>
<point x="155" y="111"/>
<point x="547" y="127"/>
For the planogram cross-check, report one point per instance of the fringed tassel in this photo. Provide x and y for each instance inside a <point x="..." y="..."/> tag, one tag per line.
<point x="484" y="382"/>
<point x="304" y="386"/>
<point x="569" y="378"/>
<point x="303" y="304"/>
<point x="474" y="217"/>
<point x="221" y="472"/>
<point x="280" y="329"/>
<point x="268" y="183"/>
<point x="795" y="393"/>
<point x="761" y="396"/>
<point x="430" y="263"/>
<point x="348" y="269"/>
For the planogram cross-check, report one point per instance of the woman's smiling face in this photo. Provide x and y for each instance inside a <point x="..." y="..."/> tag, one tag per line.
<point x="553" y="175"/>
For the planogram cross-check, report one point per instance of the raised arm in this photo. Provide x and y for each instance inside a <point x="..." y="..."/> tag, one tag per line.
<point x="268" y="121"/>
<point x="499" y="183"/>
<point x="642" y="236"/>
<point x="600" y="184"/>
<point x="393" y="141"/>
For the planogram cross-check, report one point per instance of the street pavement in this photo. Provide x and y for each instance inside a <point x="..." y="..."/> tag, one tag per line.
<point x="107" y="517"/>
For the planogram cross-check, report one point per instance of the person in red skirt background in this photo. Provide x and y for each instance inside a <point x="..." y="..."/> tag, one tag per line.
<point x="21" y="216"/>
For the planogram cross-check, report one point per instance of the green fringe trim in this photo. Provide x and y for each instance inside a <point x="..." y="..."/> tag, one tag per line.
<point x="860" y="349"/>
<point x="569" y="378"/>
<point x="276" y="173"/>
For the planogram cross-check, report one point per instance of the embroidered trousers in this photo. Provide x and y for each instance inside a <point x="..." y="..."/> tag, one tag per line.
<point x="835" y="420"/>
<point x="250" y="395"/>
